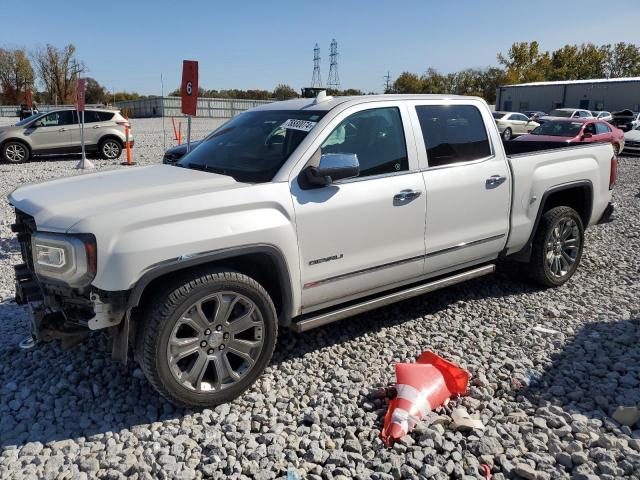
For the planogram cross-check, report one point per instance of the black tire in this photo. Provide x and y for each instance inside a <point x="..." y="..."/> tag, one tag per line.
<point x="507" y="134"/>
<point x="616" y="149"/>
<point x="110" y="149"/>
<point x="169" y="307"/>
<point x="544" y="247"/>
<point x="15" y="152"/>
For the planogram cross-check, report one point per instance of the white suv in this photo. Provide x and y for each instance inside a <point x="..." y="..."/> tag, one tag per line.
<point x="58" y="132"/>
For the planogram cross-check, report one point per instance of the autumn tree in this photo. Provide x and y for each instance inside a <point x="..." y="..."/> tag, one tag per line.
<point x="16" y="75"/>
<point x="525" y="63"/>
<point x="58" y="70"/>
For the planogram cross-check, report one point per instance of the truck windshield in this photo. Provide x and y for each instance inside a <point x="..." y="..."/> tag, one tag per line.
<point x="254" y="145"/>
<point x="558" y="129"/>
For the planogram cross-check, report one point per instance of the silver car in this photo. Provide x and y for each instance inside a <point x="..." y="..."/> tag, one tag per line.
<point x="58" y="132"/>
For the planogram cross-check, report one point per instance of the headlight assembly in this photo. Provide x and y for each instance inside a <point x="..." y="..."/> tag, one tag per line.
<point x="68" y="259"/>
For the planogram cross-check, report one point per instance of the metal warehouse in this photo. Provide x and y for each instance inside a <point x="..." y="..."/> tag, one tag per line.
<point x="598" y="94"/>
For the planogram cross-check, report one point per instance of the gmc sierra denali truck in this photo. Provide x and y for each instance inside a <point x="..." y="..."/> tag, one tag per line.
<point x="293" y="215"/>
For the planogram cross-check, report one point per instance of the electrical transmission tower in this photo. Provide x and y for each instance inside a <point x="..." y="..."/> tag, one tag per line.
<point x="387" y="82"/>
<point x="333" y="81"/>
<point x="316" y="81"/>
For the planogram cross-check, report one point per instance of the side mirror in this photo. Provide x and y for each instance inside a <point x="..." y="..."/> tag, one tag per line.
<point x="333" y="167"/>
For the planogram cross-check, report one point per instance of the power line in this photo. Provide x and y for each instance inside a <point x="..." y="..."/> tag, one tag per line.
<point x="333" y="81"/>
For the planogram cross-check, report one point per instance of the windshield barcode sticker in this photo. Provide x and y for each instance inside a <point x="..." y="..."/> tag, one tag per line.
<point x="304" y="125"/>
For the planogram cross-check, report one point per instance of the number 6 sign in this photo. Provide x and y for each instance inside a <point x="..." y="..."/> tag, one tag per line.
<point x="189" y="87"/>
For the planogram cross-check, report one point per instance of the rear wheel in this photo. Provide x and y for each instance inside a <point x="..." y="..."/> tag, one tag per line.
<point x="557" y="246"/>
<point x="616" y="149"/>
<point x="110" y="149"/>
<point x="207" y="338"/>
<point x="507" y="134"/>
<point x="15" y="152"/>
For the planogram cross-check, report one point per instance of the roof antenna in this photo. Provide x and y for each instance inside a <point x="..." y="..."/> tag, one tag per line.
<point x="322" y="97"/>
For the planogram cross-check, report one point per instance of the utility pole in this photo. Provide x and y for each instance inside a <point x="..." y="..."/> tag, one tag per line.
<point x="387" y="82"/>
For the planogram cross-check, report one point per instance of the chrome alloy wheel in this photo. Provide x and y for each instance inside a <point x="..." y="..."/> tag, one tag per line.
<point x="111" y="149"/>
<point x="15" y="152"/>
<point x="216" y="342"/>
<point x="562" y="247"/>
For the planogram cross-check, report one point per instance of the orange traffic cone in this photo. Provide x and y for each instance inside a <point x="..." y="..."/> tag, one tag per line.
<point x="421" y="387"/>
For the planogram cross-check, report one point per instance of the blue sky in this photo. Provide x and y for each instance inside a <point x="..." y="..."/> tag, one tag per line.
<point x="258" y="44"/>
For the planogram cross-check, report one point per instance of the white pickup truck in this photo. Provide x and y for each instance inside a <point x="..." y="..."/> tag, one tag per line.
<point x="294" y="215"/>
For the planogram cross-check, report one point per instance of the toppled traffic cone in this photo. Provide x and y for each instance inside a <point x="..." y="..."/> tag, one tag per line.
<point x="421" y="387"/>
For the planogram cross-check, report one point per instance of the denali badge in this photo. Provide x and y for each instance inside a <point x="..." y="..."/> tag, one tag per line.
<point x="326" y="259"/>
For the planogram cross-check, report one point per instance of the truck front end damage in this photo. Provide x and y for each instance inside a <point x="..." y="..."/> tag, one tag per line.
<point x="54" y="282"/>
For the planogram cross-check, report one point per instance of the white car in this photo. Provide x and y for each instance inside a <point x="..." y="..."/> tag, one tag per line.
<point x="632" y="141"/>
<point x="513" y="124"/>
<point x="566" y="113"/>
<point x="293" y="215"/>
<point x="602" y="115"/>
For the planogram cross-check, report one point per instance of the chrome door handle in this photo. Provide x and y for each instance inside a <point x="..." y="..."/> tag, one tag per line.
<point x="96" y="126"/>
<point x="405" y="196"/>
<point x="495" y="180"/>
<point x="62" y="129"/>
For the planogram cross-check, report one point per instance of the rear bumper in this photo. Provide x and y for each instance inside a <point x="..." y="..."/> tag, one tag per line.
<point x="608" y="213"/>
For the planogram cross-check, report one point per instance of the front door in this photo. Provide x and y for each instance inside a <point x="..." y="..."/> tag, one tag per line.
<point x="52" y="133"/>
<point x="364" y="233"/>
<point x="467" y="185"/>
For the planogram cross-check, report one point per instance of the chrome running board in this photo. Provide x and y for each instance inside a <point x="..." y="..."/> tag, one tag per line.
<point x="330" y="317"/>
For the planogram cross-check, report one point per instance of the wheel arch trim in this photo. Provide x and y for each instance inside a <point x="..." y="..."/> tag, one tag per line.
<point x="181" y="263"/>
<point x="525" y="252"/>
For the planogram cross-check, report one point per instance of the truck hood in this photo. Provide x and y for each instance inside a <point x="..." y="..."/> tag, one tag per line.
<point x="59" y="204"/>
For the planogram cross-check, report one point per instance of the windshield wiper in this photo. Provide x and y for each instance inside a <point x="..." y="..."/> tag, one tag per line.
<point x="206" y="168"/>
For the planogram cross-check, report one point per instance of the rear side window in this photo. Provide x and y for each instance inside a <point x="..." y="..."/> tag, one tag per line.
<point x="105" y="116"/>
<point x="602" y="128"/>
<point x="90" y="116"/>
<point x="453" y="133"/>
<point x="376" y="136"/>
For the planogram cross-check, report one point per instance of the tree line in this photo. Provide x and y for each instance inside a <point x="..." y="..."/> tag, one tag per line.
<point x="526" y="62"/>
<point x="56" y="71"/>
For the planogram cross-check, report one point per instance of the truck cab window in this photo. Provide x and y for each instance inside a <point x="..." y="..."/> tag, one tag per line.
<point x="453" y="133"/>
<point x="376" y="136"/>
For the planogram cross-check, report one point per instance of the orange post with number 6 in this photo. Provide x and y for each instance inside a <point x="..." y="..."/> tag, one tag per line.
<point x="189" y="87"/>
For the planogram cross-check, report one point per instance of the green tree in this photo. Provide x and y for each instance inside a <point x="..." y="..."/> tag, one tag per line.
<point x="525" y="63"/>
<point x="95" y="93"/>
<point x="284" y="92"/>
<point x="407" y="83"/>
<point x="622" y="60"/>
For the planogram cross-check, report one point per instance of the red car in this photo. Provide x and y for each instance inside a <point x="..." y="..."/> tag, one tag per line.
<point x="576" y="130"/>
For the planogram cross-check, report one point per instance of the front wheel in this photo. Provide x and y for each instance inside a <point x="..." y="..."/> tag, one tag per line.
<point x="557" y="246"/>
<point x="15" y="152"/>
<point x="507" y="134"/>
<point x="207" y="337"/>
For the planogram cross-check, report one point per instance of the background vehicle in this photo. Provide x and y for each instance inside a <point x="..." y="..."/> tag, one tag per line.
<point x="58" y="132"/>
<point x="565" y="113"/>
<point x="632" y="141"/>
<point x="602" y="115"/>
<point x="512" y="124"/>
<point x="533" y="114"/>
<point x="269" y="223"/>
<point x="626" y="120"/>
<point x="173" y="154"/>
<point x="577" y="131"/>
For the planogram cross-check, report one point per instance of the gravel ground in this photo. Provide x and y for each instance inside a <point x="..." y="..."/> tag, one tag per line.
<point x="547" y="399"/>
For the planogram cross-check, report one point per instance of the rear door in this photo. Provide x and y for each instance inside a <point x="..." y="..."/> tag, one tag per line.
<point x="53" y="133"/>
<point x="467" y="183"/>
<point x="360" y="234"/>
